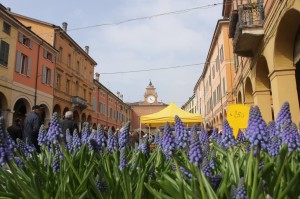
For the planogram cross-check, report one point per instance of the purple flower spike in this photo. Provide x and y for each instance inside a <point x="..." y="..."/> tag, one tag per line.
<point x="272" y="129"/>
<point x="55" y="133"/>
<point x="145" y="148"/>
<point x="101" y="139"/>
<point x="214" y="134"/>
<point x="203" y="137"/>
<point x="86" y="132"/>
<point x="55" y="164"/>
<point x="206" y="168"/>
<point x="7" y="145"/>
<point x="101" y="184"/>
<point x="69" y="140"/>
<point x="283" y="116"/>
<point x="182" y="135"/>
<point x="241" y="192"/>
<point x="289" y="136"/>
<point x="257" y="130"/>
<point x="112" y="142"/>
<point x="76" y="142"/>
<point x="195" y="154"/>
<point x="241" y="137"/>
<point x="168" y="142"/>
<point x="227" y="135"/>
<point x="274" y="146"/>
<point x="42" y="138"/>
<point x="123" y="160"/>
<point x="124" y="135"/>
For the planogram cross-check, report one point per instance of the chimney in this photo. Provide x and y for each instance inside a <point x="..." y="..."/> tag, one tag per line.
<point x="121" y="97"/>
<point x="8" y="9"/>
<point x="87" y="49"/>
<point x="97" y="76"/>
<point x="118" y="94"/>
<point x="65" y="26"/>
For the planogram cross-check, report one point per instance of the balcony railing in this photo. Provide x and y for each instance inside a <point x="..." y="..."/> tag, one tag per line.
<point x="248" y="30"/>
<point x="79" y="102"/>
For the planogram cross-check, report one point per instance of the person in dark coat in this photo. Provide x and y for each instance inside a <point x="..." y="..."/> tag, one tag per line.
<point x="68" y="123"/>
<point x="32" y="124"/>
<point x="15" y="131"/>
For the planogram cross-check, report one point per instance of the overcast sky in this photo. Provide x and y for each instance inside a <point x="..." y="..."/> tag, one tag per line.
<point x="156" y="42"/>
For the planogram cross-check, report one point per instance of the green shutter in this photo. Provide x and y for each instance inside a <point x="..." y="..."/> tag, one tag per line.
<point x="29" y="66"/>
<point x="44" y="74"/>
<point x="52" y="77"/>
<point x="18" y="62"/>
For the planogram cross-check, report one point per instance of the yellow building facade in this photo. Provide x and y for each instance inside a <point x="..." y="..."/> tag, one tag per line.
<point x="266" y="43"/>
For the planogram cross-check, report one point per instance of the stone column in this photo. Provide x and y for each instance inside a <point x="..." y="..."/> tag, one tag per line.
<point x="283" y="84"/>
<point x="262" y="99"/>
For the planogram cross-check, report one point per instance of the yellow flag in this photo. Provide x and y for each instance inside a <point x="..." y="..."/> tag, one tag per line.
<point x="237" y="117"/>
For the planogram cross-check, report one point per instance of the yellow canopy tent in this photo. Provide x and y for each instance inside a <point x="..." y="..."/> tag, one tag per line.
<point x="168" y="115"/>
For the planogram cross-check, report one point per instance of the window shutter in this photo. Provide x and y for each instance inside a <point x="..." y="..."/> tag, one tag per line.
<point x="29" y="66"/>
<point x="45" y="53"/>
<point x="30" y="44"/>
<point x="53" y="58"/>
<point x="44" y="76"/>
<point x="52" y="78"/>
<point x="18" y="63"/>
<point x="6" y="52"/>
<point x="20" y="37"/>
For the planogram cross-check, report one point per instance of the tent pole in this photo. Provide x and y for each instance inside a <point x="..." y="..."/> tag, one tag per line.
<point x="140" y="133"/>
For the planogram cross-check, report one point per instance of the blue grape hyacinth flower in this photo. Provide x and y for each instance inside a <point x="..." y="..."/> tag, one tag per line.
<point x="241" y="192"/>
<point x="289" y="136"/>
<point x="257" y="130"/>
<point x="241" y="137"/>
<point x="7" y="145"/>
<point x="112" y="142"/>
<point x="182" y="136"/>
<point x="195" y="154"/>
<point x="42" y="137"/>
<point x="101" y="184"/>
<point x="123" y="159"/>
<point x="124" y="135"/>
<point x="228" y="139"/>
<point x="101" y="139"/>
<point x="86" y="132"/>
<point x="168" y="141"/>
<point x="76" y="142"/>
<point x="55" y="134"/>
<point x="283" y="116"/>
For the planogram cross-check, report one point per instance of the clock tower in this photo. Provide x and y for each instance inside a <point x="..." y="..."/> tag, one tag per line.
<point x="146" y="106"/>
<point x="150" y="96"/>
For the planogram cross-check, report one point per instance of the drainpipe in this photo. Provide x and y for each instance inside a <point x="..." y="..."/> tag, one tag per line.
<point x="37" y="72"/>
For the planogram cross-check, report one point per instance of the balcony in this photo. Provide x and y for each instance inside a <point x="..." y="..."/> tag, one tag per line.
<point x="248" y="30"/>
<point x="78" y="102"/>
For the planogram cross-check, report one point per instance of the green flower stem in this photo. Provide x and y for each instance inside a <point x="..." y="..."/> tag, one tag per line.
<point x="254" y="187"/>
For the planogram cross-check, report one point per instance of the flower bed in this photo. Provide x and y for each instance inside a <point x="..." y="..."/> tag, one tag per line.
<point x="264" y="162"/>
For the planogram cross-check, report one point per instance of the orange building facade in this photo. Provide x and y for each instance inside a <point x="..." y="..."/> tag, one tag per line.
<point x="109" y="109"/>
<point x="26" y="75"/>
<point x="214" y="89"/>
<point x="74" y="70"/>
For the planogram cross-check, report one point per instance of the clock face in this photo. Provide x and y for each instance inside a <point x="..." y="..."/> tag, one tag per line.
<point x="150" y="99"/>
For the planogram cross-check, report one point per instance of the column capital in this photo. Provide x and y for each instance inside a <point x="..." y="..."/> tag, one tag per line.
<point x="261" y="92"/>
<point x="282" y="72"/>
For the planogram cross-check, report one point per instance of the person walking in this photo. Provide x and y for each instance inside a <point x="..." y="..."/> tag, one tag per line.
<point x="15" y="131"/>
<point x="32" y="124"/>
<point x="68" y="123"/>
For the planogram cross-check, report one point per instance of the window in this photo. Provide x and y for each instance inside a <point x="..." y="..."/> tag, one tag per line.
<point x="77" y="88"/>
<point x="60" y="51"/>
<point x="84" y="93"/>
<point x="47" y="77"/>
<point x="217" y="64"/>
<point x="213" y="71"/>
<point x="102" y="108"/>
<point x="58" y="80"/>
<point x="4" y="50"/>
<point x="221" y="54"/>
<point x="6" y="28"/>
<point x="68" y="86"/>
<point x="69" y="60"/>
<point x="23" y="64"/>
<point x="77" y="66"/>
<point x="25" y="40"/>
<point x="90" y="97"/>
<point x="48" y="55"/>
<point x="224" y="87"/>
<point x="110" y="112"/>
